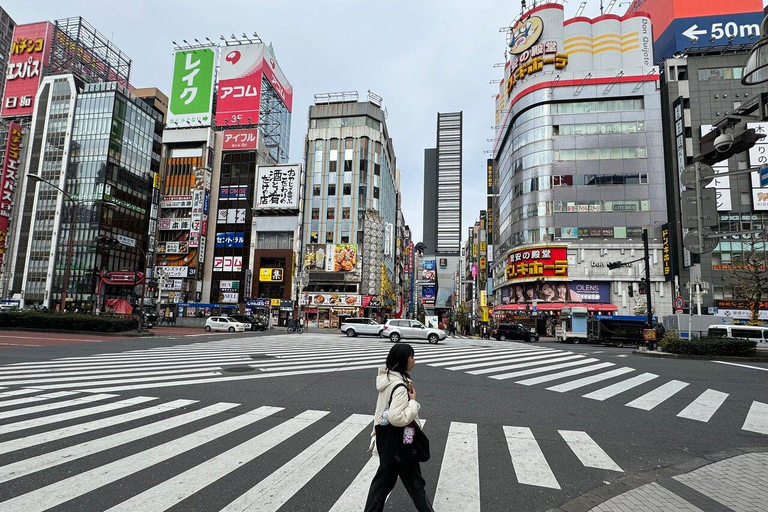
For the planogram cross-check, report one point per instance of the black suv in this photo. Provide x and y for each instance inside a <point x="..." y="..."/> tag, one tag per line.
<point x="255" y="323"/>
<point x="514" y="332"/>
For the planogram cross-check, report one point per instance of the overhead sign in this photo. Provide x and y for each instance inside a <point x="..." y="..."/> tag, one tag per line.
<point x="536" y="262"/>
<point x="192" y="87"/>
<point x="240" y="140"/>
<point x="271" y="275"/>
<point x="30" y="54"/>
<point x="277" y="187"/>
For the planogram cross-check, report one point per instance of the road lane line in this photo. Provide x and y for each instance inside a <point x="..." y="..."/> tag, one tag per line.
<point x="538" y="361"/>
<point x="56" y="405"/>
<point x="271" y="493"/>
<point x="704" y="406"/>
<point x="36" y="398"/>
<point x="757" y="418"/>
<point x="586" y="381"/>
<point x="653" y="398"/>
<point x="588" y="451"/>
<point x="561" y="375"/>
<point x="530" y="465"/>
<point x="175" y="490"/>
<point x="620" y="387"/>
<point x="55" y="494"/>
<point x="458" y="486"/>
<point x="52" y="459"/>
<point x="545" y="369"/>
<point x="81" y="428"/>
<point x="742" y="365"/>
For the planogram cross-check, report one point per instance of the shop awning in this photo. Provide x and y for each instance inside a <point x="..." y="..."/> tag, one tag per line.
<point x="592" y="307"/>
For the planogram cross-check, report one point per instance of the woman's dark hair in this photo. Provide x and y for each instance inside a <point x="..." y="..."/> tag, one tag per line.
<point x="397" y="359"/>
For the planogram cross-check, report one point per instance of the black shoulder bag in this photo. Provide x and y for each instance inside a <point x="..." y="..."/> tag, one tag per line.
<point x="391" y="446"/>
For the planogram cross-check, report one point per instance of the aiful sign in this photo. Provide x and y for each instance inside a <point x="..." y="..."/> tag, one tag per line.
<point x="549" y="261"/>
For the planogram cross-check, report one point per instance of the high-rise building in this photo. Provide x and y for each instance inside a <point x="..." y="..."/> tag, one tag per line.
<point x="577" y="165"/>
<point x="6" y="36"/>
<point x="350" y="210"/>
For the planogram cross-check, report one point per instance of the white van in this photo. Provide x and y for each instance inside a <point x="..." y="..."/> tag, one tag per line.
<point x="750" y="332"/>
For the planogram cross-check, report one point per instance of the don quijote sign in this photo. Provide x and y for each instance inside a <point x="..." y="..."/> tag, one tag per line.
<point x="123" y="278"/>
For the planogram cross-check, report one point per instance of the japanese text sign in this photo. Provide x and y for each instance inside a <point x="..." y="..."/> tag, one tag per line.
<point x="271" y="275"/>
<point x="230" y="239"/>
<point x="192" y="87"/>
<point x="30" y="53"/>
<point x="227" y="263"/>
<point x="277" y="187"/>
<point x="240" y="140"/>
<point x="10" y="173"/>
<point x="535" y="262"/>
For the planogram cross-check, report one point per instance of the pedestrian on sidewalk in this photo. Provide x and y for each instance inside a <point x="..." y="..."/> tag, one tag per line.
<point x="397" y="406"/>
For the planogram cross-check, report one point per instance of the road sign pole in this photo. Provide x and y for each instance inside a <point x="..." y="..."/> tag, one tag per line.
<point x="699" y="209"/>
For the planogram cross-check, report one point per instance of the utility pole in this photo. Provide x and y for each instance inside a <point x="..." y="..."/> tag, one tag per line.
<point x="646" y="257"/>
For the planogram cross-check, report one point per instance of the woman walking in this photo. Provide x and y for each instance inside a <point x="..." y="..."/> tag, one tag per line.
<point x="397" y="406"/>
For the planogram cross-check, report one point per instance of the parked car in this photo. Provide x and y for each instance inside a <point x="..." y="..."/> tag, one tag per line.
<point x="515" y="332"/>
<point x="396" y="330"/>
<point x="149" y="319"/>
<point x="251" y="323"/>
<point x="361" y="326"/>
<point x="223" y="323"/>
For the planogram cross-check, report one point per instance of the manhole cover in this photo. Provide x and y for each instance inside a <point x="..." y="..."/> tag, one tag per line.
<point x="238" y="369"/>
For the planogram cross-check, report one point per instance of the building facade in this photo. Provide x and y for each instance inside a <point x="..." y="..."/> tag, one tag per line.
<point x="578" y="164"/>
<point x="350" y="211"/>
<point x="7" y="25"/>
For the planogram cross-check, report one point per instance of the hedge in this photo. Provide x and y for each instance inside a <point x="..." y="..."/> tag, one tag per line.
<point x="712" y="346"/>
<point x="68" y="322"/>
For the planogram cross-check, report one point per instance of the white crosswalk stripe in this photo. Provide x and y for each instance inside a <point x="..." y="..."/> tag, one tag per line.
<point x="586" y="381"/>
<point x="561" y="375"/>
<point x="620" y="387"/>
<point x="653" y="398"/>
<point x="545" y="369"/>
<point x="458" y="486"/>
<point x="704" y="406"/>
<point x="757" y="418"/>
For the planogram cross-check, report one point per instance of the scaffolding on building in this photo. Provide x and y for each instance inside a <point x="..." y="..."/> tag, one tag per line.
<point x="80" y="49"/>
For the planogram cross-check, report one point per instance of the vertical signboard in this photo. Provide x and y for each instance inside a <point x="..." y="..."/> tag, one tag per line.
<point x="667" y="256"/>
<point x="30" y="54"/>
<point x="489" y="206"/>
<point x="10" y="172"/>
<point x="192" y="87"/>
<point x="677" y="106"/>
<point x="721" y="184"/>
<point x="758" y="157"/>
<point x="277" y="187"/>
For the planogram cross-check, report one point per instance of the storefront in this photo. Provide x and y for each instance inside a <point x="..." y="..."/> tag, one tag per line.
<point x="328" y="310"/>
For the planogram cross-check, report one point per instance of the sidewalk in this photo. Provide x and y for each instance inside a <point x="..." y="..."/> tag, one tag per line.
<point x="735" y="483"/>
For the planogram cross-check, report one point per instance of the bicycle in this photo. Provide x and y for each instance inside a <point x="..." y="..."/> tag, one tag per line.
<point x="298" y="329"/>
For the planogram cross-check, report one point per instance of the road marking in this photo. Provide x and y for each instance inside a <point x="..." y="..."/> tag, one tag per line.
<point x="83" y="386"/>
<point x="586" y="381"/>
<point x="17" y="392"/>
<point x="742" y="365"/>
<point x="353" y="498"/>
<point x="530" y="465"/>
<point x="620" y="387"/>
<point x="56" y="405"/>
<point x="171" y="492"/>
<point x="37" y="398"/>
<point x="458" y="487"/>
<point x="79" y="413"/>
<point x="70" y="488"/>
<point x="539" y="360"/>
<point x="105" y="370"/>
<point x="271" y="493"/>
<point x="492" y="355"/>
<point x="528" y="356"/>
<point x="757" y="418"/>
<point x="561" y="375"/>
<point x="84" y="379"/>
<point x="545" y="369"/>
<point x="653" y="398"/>
<point x="704" y="406"/>
<point x="54" y="435"/>
<point x="55" y="458"/>
<point x="588" y="451"/>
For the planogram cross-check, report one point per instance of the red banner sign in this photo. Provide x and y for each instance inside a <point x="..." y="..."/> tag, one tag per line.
<point x="30" y="53"/>
<point x="549" y="261"/>
<point x="238" y="140"/>
<point x="8" y="179"/>
<point x="123" y="277"/>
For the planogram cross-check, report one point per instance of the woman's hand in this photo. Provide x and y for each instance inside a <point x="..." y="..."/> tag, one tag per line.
<point x="412" y="392"/>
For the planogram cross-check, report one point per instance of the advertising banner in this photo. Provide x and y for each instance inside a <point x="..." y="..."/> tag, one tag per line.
<point x="330" y="257"/>
<point x="192" y="87"/>
<point x="667" y="255"/>
<point x="428" y="294"/>
<point x="240" y="140"/>
<point x="173" y="247"/>
<point x="173" y="285"/>
<point x="758" y="156"/>
<point x="228" y="297"/>
<point x="229" y="286"/>
<point x="277" y="187"/>
<point x="172" y="272"/>
<point x="10" y="173"/>
<point x="30" y="53"/>
<point x="428" y="271"/>
<point x="233" y="193"/>
<point x="230" y="239"/>
<point x="535" y="262"/>
<point x="231" y="216"/>
<point x="170" y="224"/>
<point x="227" y="263"/>
<point x="557" y="291"/>
<point x="331" y="299"/>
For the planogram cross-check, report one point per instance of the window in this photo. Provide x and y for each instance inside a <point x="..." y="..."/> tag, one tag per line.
<point x="329" y="237"/>
<point x="316" y="190"/>
<point x="345" y="239"/>
<point x="332" y="190"/>
<point x="313" y="237"/>
<point x="375" y="192"/>
<point x="347" y="189"/>
<point x="315" y="213"/>
<point x="330" y="214"/>
<point x="345" y="213"/>
<point x="563" y="180"/>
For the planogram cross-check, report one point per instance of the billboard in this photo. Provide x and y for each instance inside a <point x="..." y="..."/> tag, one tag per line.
<point x="428" y="293"/>
<point x="10" y="173"/>
<point x="29" y="56"/>
<point x="227" y="263"/>
<point x="331" y="299"/>
<point x="758" y="157"/>
<point x="428" y="270"/>
<point x="230" y="239"/>
<point x="557" y="291"/>
<point x="277" y="187"/>
<point x="192" y="87"/>
<point x="271" y="275"/>
<point x="535" y="262"/>
<point x="233" y="193"/>
<point x="240" y="140"/>
<point x="330" y="257"/>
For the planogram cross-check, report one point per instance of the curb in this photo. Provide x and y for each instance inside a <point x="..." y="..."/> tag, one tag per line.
<point x="124" y="334"/>
<point x="595" y="497"/>
<point x="757" y="359"/>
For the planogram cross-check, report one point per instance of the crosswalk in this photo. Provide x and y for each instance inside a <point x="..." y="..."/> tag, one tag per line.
<point x="172" y="451"/>
<point x="246" y="359"/>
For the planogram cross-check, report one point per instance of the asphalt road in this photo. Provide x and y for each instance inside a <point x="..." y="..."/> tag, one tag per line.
<point x="277" y="422"/>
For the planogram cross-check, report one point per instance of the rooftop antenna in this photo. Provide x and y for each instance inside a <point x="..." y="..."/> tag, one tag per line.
<point x="581" y="9"/>
<point x="522" y="7"/>
<point x="601" y="8"/>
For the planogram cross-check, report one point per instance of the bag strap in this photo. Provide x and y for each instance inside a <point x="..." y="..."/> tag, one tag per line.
<point x="393" y="392"/>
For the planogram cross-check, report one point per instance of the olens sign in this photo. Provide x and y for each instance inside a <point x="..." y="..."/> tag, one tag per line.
<point x="10" y="174"/>
<point x="30" y="54"/>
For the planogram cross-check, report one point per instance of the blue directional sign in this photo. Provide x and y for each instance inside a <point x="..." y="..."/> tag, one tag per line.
<point x="764" y="177"/>
<point x="707" y="31"/>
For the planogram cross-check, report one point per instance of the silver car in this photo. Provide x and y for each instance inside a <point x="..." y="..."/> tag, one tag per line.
<point x="396" y="330"/>
<point x="359" y="326"/>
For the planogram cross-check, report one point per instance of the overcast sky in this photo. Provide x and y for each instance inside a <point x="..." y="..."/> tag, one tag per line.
<point x="421" y="56"/>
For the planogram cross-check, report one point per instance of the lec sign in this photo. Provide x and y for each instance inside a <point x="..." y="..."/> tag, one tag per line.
<point x="271" y="275"/>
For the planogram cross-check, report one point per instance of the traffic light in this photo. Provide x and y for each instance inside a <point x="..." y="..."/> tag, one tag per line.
<point x="613" y="265"/>
<point x="107" y="241"/>
<point x="641" y="287"/>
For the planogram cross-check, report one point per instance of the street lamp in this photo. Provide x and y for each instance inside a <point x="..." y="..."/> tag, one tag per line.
<point x="70" y="242"/>
<point x="756" y="67"/>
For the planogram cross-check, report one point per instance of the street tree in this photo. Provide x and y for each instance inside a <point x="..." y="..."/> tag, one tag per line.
<point x="750" y="280"/>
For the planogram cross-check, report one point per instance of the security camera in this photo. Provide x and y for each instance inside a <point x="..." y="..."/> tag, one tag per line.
<point x="723" y="142"/>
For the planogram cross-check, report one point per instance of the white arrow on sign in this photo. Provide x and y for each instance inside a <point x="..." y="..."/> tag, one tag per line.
<point x="692" y="33"/>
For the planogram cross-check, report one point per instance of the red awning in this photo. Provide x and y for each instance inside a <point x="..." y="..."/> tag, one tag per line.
<point x="592" y="307"/>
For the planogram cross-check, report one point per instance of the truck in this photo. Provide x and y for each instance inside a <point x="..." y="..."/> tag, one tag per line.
<point x="618" y="330"/>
